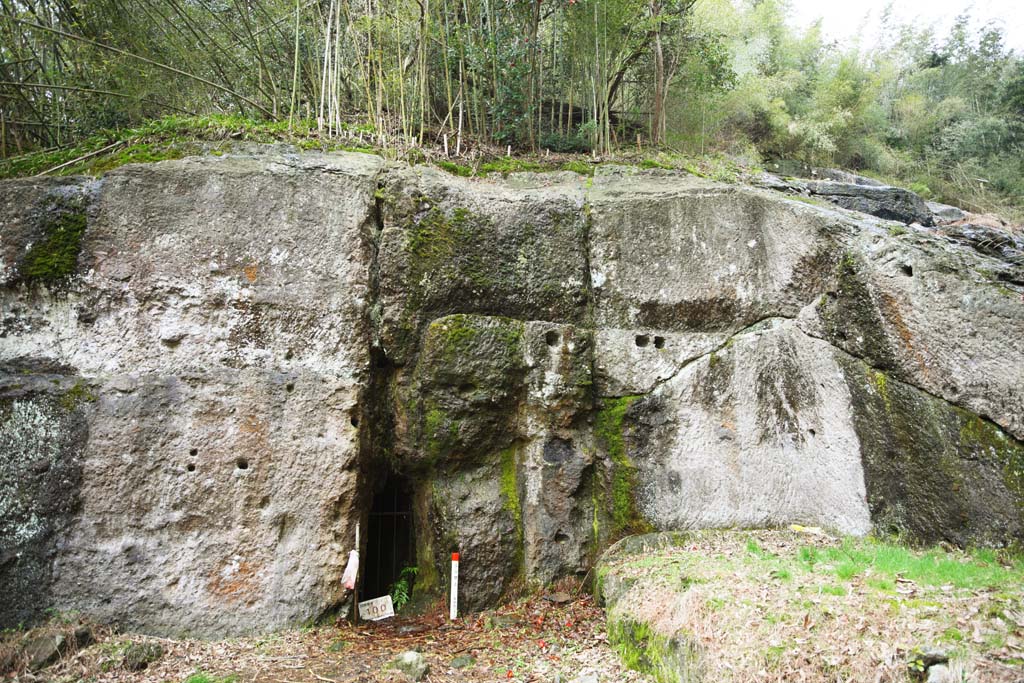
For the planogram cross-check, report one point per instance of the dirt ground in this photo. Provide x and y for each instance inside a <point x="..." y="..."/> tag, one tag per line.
<point x="768" y="606"/>
<point x="553" y="637"/>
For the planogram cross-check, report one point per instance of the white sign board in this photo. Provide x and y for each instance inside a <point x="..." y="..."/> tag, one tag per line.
<point x="376" y="609"/>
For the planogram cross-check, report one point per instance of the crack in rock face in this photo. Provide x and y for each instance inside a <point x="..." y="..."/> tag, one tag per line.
<point x="213" y="369"/>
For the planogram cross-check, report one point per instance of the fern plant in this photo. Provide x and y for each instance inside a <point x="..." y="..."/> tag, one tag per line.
<point x="401" y="590"/>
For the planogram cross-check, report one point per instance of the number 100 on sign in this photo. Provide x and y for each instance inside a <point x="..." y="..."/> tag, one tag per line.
<point x="378" y="608"/>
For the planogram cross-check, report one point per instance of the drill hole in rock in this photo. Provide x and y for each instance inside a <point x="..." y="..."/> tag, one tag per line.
<point x="642" y="340"/>
<point x="390" y="542"/>
<point x="242" y="464"/>
<point x="907" y="270"/>
<point x="193" y="451"/>
<point x="552" y="338"/>
<point x="191" y="467"/>
<point x="289" y="387"/>
<point x="659" y="342"/>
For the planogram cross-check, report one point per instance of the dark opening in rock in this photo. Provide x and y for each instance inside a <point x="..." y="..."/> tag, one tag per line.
<point x="466" y="388"/>
<point x="289" y="387"/>
<point x="191" y="467"/>
<point x="642" y="340"/>
<point x="354" y="420"/>
<point x="812" y="432"/>
<point x="907" y="270"/>
<point x="193" y="451"/>
<point x="552" y="338"/>
<point x="289" y="355"/>
<point x="659" y="342"/>
<point x="390" y="542"/>
<point x="242" y="464"/>
<point x="558" y="451"/>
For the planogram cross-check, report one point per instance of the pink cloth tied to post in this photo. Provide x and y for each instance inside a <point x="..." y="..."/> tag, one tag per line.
<point x="348" y="579"/>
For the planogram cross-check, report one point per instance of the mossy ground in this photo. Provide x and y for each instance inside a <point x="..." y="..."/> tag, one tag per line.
<point x="789" y="605"/>
<point x="173" y="137"/>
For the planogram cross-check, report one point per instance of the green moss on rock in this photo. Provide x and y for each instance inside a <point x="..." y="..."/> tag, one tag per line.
<point x="852" y="319"/>
<point x="54" y="257"/>
<point x="466" y="388"/>
<point x="618" y="495"/>
<point x="641" y="648"/>
<point x="510" y="485"/>
<point x="934" y="472"/>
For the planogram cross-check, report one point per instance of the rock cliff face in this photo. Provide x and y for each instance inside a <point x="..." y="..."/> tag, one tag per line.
<point x="209" y="366"/>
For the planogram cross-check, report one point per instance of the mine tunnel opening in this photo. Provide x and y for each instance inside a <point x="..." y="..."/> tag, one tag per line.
<point x="390" y="539"/>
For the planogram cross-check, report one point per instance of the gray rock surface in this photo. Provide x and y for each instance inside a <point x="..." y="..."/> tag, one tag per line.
<point x="412" y="664"/>
<point x="945" y="213"/>
<point x="890" y="203"/>
<point x="226" y="357"/>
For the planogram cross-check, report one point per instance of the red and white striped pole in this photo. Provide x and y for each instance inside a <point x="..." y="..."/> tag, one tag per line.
<point x="453" y="609"/>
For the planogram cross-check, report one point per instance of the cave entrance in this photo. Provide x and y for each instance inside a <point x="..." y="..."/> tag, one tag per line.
<point x="390" y="542"/>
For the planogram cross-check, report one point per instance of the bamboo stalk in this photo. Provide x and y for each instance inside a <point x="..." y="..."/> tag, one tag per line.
<point x="81" y="158"/>
<point x="146" y="60"/>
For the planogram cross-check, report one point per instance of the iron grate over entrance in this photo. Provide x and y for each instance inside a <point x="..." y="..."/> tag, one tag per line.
<point x="390" y="543"/>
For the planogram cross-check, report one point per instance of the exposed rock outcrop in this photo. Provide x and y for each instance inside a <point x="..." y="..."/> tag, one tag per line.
<point x="211" y="364"/>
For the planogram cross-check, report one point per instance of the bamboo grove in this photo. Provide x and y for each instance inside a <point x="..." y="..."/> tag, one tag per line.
<point x="564" y="74"/>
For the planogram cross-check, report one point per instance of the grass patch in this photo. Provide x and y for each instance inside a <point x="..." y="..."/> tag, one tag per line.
<point x="455" y="169"/>
<point x="200" y="677"/>
<point x="981" y="569"/>
<point x="171" y="137"/>
<point x="758" y="592"/>
<point x="506" y="165"/>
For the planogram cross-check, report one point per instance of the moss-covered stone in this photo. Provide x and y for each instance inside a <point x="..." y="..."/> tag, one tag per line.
<point x="447" y="249"/>
<point x="615" y="491"/>
<point x="934" y="472"/>
<point x="43" y="247"/>
<point x="510" y="484"/>
<point x="465" y="390"/>
<point x="666" y="659"/>
<point x="851" y="317"/>
<point x="41" y="439"/>
<point x="55" y="257"/>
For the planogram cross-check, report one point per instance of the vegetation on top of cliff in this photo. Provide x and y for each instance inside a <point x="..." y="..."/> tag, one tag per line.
<point x="173" y="137"/>
<point x="940" y="113"/>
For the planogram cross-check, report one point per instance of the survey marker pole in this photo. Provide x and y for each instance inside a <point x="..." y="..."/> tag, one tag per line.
<point x="453" y="608"/>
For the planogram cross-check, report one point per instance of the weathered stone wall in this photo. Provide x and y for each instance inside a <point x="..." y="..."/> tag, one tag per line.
<point x="208" y="365"/>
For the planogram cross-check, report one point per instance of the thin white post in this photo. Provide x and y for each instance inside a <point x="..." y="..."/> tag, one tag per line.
<point x="453" y="609"/>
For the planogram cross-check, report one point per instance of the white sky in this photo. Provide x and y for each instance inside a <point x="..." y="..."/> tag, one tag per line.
<point x="845" y="19"/>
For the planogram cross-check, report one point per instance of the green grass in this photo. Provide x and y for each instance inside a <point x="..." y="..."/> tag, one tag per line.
<point x="980" y="569"/>
<point x="171" y="137"/>
<point x="201" y="677"/>
<point x="506" y="165"/>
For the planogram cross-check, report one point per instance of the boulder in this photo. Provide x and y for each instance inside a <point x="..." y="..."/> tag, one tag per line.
<point x="890" y="203"/>
<point x="944" y="213"/>
<point x="138" y="656"/>
<point x="46" y="648"/>
<point x="412" y="664"/>
<point x="841" y="176"/>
